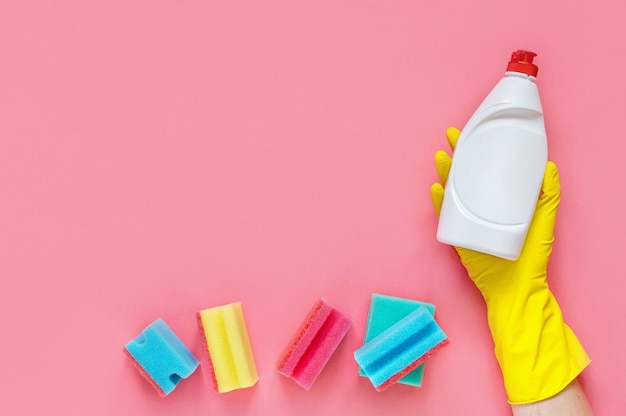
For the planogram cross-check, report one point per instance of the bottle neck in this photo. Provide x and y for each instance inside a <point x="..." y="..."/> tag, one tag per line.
<point x="520" y="75"/>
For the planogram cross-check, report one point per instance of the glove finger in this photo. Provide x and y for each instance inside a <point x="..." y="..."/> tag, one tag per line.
<point x="443" y="161"/>
<point x="545" y="214"/>
<point x="436" y="195"/>
<point x="453" y="136"/>
<point x="551" y="186"/>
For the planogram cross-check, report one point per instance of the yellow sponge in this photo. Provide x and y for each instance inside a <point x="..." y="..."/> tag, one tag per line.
<point x="225" y="338"/>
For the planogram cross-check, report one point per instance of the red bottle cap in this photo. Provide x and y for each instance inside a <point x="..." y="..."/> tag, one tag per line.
<point x="522" y="61"/>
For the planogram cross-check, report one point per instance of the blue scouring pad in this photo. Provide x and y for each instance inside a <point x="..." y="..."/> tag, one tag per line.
<point x="161" y="357"/>
<point x="383" y="313"/>
<point x="401" y="348"/>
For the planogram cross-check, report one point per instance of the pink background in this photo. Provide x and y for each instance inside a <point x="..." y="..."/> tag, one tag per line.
<point x="161" y="157"/>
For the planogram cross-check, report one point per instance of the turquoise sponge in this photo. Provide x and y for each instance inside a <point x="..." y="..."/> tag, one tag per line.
<point x="384" y="312"/>
<point x="401" y="348"/>
<point x="161" y="357"/>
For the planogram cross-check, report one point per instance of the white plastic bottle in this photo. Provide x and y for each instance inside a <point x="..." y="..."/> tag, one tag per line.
<point x="498" y="166"/>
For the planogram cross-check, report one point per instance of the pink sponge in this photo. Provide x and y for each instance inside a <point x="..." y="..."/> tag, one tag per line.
<point x="313" y="344"/>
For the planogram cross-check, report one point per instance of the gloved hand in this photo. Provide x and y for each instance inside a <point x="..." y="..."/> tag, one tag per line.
<point x="538" y="353"/>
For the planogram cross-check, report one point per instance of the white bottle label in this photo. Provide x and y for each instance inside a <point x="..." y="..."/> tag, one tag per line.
<point x="496" y="174"/>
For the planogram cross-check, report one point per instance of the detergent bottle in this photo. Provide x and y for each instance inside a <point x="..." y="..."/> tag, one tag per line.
<point x="497" y="167"/>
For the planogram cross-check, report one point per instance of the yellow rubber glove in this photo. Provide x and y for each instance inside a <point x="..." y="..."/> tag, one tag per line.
<point x="538" y="353"/>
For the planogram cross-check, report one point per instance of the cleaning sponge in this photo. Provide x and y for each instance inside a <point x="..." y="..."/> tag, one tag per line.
<point x="161" y="357"/>
<point x="225" y="338"/>
<point x="384" y="312"/>
<point x="401" y="348"/>
<point x="313" y="344"/>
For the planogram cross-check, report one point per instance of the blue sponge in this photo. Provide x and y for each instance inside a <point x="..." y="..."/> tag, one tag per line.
<point x="384" y="312"/>
<point x="161" y="357"/>
<point x="401" y="348"/>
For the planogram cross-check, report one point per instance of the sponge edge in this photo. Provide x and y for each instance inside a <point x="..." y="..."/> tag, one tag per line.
<point x="401" y="348"/>
<point x="384" y="312"/>
<point x="313" y="344"/>
<point x="161" y="357"/>
<point x="227" y="345"/>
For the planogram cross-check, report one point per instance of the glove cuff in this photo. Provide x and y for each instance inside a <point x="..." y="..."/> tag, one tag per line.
<point x="539" y="355"/>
